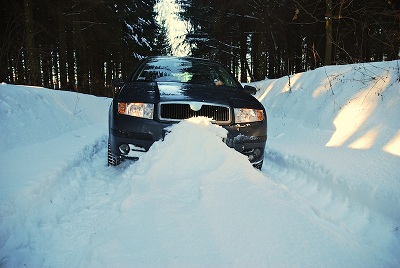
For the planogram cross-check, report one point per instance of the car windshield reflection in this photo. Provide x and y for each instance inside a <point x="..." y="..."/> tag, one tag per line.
<point x="192" y="71"/>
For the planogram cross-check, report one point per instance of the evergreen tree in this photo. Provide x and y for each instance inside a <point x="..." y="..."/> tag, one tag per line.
<point x="76" y="45"/>
<point x="284" y="37"/>
<point x="161" y="42"/>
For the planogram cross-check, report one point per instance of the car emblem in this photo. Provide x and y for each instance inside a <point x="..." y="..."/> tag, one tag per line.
<point x="196" y="106"/>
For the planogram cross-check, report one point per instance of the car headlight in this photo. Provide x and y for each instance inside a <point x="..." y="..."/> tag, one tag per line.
<point x="244" y="115"/>
<point x="137" y="109"/>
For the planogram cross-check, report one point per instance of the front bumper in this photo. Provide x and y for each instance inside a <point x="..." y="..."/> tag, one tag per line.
<point x="248" y="139"/>
<point x="139" y="134"/>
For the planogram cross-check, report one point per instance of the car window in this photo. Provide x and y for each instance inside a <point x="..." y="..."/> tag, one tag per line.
<point x="193" y="71"/>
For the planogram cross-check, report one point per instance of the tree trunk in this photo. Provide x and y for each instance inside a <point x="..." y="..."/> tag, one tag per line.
<point x="329" y="31"/>
<point x="8" y="73"/>
<point x="243" y="50"/>
<point x="263" y="51"/>
<point x="46" y="68"/>
<point x="62" y="46"/>
<point x="56" y="70"/>
<point x="21" y="71"/>
<point x="32" y="53"/>
<point x="109" y="75"/>
<point x="70" y="57"/>
<point x="81" y="61"/>
<point x="97" y="75"/>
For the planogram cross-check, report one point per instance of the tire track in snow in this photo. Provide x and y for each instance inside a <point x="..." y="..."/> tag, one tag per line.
<point x="335" y="202"/>
<point x="63" y="209"/>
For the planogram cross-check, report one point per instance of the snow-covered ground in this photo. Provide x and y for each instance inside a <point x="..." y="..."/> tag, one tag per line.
<point x="327" y="196"/>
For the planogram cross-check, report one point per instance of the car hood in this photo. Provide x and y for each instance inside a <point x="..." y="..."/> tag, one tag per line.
<point x="155" y="92"/>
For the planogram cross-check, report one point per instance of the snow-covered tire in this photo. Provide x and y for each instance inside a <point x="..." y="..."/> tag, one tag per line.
<point x="112" y="160"/>
<point x="259" y="165"/>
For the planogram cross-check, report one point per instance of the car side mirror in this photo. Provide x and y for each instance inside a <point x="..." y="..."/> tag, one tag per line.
<point x="250" y="90"/>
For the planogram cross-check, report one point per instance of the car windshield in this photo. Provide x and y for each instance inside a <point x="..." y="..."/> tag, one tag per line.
<point x="194" y="71"/>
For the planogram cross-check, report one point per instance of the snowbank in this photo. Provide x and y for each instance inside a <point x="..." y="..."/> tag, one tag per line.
<point x="345" y="120"/>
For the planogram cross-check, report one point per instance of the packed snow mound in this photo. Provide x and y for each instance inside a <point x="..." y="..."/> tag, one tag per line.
<point x="196" y="145"/>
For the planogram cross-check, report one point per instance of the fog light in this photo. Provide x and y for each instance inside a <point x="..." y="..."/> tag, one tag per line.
<point x="124" y="148"/>
<point x="257" y="152"/>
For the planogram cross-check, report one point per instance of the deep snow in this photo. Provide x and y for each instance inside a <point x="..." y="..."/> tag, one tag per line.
<point x="327" y="196"/>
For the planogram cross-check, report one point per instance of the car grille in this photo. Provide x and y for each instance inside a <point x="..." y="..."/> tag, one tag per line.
<point x="176" y="111"/>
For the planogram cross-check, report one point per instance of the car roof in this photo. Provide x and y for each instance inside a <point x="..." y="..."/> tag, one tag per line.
<point x="179" y="58"/>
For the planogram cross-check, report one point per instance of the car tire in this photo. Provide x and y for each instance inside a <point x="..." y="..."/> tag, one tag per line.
<point x="113" y="160"/>
<point x="259" y="165"/>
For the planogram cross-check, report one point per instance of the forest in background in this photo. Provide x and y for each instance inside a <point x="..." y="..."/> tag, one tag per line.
<point x="274" y="38"/>
<point x="81" y="45"/>
<point x="77" y="45"/>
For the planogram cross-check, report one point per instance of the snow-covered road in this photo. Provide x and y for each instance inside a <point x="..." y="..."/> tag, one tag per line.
<point x="335" y="203"/>
<point x="86" y="214"/>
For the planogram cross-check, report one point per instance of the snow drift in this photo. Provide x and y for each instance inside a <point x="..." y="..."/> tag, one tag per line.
<point x="346" y="120"/>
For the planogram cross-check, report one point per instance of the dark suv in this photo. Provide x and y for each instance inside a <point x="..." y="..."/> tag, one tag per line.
<point x="165" y="90"/>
